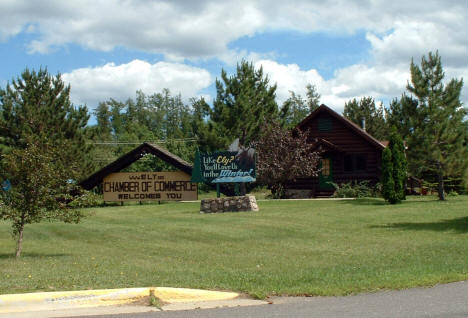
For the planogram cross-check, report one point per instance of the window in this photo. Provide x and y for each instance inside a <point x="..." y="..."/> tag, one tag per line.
<point x="348" y="163"/>
<point x="353" y="163"/>
<point x="324" y="124"/>
<point x="325" y="167"/>
<point x="360" y="161"/>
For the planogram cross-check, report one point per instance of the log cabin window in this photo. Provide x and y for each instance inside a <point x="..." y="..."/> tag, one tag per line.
<point x="360" y="162"/>
<point x="325" y="167"/>
<point x="348" y="163"/>
<point x="354" y="163"/>
<point x="324" y="124"/>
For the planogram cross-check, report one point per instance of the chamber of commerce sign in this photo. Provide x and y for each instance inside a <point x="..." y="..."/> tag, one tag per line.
<point x="146" y="186"/>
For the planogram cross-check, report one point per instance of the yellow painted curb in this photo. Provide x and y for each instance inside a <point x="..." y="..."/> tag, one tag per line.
<point x="103" y="297"/>
<point x="178" y="295"/>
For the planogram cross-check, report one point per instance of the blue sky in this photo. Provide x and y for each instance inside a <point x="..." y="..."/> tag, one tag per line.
<point x="348" y="49"/>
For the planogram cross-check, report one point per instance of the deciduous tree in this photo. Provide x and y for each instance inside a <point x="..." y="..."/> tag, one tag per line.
<point x="282" y="157"/>
<point x="41" y="180"/>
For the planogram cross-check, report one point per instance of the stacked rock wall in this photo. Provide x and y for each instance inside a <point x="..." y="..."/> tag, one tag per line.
<point x="229" y="204"/>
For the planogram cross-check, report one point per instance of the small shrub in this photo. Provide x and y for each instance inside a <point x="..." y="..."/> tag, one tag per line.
<point x="356" y="190"/>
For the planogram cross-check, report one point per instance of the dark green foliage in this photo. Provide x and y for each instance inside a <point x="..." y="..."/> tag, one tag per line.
<point x="365" y="110"/>
<point x="313" y="97"/>
<point x="361" y="189"/>
<point x="437" y="142"/>
<point x="399" y="164"/>
<point x="388" y="184"/>
<point x="41" y="186"/>
<point x="36" y="106"/>
<point x="293" y="111"/>
<point x="244" y="102"/>
<point x="394" y="170"/>
<point x="295" y="108"/>
<point x="402" y="114"/>
<point x="159" y="118"/>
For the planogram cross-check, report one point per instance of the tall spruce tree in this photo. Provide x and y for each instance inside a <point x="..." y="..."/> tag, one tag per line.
<point x="244" y="102"/>
<point x="36" y="106"/>
<point x="399" y="164"/>
<point x="388" y="184"/>
<point x="366" y="111"/>
<point x="437" y="143"/>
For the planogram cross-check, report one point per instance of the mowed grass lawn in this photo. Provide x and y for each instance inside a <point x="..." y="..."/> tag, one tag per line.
<point x="288" y="248"/>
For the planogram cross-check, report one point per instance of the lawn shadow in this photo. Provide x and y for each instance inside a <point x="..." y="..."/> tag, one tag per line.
<point x="33" y="255"/>
<point x="380" y="201"/>
<point x="459" y="225"/>
<point x="364" y="201"/>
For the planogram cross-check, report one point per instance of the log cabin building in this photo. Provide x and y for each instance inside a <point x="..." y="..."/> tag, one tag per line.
<point x="348" y="154"/>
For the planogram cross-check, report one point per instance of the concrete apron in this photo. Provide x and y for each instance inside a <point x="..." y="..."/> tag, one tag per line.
<point x="127" y="300"/>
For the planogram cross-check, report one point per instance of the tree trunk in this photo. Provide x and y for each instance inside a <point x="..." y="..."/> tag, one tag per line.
<point x="19" y="243"/>
<point x="440" y="187"/>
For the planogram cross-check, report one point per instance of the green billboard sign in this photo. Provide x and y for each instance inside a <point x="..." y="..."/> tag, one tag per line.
<point x="225" y="167"/>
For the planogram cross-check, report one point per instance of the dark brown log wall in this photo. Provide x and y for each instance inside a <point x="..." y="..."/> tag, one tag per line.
<point x="351" y="143"/>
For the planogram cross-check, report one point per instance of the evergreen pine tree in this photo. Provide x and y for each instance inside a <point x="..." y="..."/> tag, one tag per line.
<point x="296" y="108"/>
<point x="398" y="164"/>
<point x="388" y="184"/>
<point x="36" y="106"/>
<point x="365" y="110"/>
<point x="313" y="97"/>
<point x="436" y="145"/>
<point x="402" y="115"/>
<point x="293" y="111"/>
<point x="244" y="102"/>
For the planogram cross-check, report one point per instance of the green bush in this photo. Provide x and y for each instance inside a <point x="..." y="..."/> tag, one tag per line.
<point x="356" y="190"/>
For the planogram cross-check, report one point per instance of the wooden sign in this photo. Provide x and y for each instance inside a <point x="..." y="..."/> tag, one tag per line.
<point x="225" y="167"/>
<point x="149" y="186"/>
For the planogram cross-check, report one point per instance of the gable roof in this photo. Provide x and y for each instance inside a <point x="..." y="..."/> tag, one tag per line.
<point x="346" y="122"/>
<point x="132" y="156"/>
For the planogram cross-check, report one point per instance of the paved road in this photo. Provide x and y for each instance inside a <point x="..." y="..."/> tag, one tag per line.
<point x="447" y="301"/>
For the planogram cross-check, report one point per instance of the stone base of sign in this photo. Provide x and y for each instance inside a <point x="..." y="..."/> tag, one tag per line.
<point x="229" y="204"/>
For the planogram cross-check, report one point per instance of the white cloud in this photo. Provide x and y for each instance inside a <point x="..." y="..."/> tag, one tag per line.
<point x="97" y="84"/>
<point x="381" y="82"/>
<point x="414" y="39"/>
<point x="351" y="82"/>
<point x="289" y="78"/>
<point x="396" y="30"/>
<point x="204" y="28"/>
